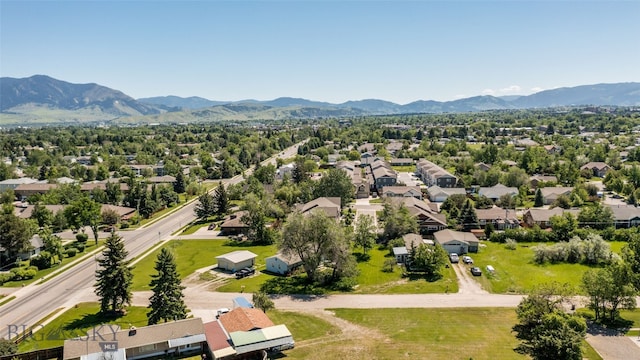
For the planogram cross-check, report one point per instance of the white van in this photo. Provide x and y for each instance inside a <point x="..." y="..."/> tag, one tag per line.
<point x="454" y="258"/>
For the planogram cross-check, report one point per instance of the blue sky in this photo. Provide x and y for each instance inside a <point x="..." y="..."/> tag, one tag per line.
<point x="332" y="51"/>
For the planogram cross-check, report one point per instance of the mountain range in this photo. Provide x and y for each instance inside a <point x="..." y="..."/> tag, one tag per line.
<point x="41" y="99"/>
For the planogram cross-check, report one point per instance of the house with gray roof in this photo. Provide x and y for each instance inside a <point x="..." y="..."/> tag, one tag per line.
<point x="625" y="216"/>
<point x="330" y="205"/>
<point x="496" y="192"/>
<point x="456" y="241"/>
<point x="439" y="194"/>
<point x="551" y="194"/>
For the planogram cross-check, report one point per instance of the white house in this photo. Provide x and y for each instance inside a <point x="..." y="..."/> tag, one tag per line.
<point x="282" y="264"/>
<point x="236" y="260"/>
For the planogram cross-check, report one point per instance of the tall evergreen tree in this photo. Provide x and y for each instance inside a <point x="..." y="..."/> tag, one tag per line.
<point x="114" y="278"/>
<point x="167" y="301"/>
<point x="221" y="199"/>
<point x="180" y="185"/>
<point x="468" y="217"/>
<point x="205" y="206"/>
<point x="538" y="201"/>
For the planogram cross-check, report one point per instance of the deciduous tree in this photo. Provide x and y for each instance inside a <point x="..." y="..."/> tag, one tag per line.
<point x="365" y="235"/>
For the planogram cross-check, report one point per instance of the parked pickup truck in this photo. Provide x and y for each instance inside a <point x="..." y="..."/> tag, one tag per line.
<point x="245" y="272"/>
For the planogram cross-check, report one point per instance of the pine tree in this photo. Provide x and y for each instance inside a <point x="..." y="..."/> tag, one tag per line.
<point x="538" y="201"/>
<point x="468" y="217"/>
<point x="180" y="185"/>
<point x="221" y="199"/>
<point x="113" y="280"/>
<point x="167" y="302"/>
<point x="205" y="206"/>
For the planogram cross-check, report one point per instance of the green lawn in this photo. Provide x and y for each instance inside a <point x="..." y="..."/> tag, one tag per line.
<point x="465" y="333"/>
<point x="192" y="255"/>
<point x="303" y="326"/>
<point x="405" y="168"/>
<point x="76" y="321"/>
<point x="517" y="273"/>
<point x="372" y="280"/>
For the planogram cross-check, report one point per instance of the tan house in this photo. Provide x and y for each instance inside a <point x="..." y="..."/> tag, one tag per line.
<point x="457" y="241"/>
<point x="330" y="205"/>
<point x="166" y="340"/>
<point x="500" y="218"/>
<point x="599" y="168"/>
<point x="402" y="191"/>
<point x="542" y="217"/>
<point x="551" y="194"/>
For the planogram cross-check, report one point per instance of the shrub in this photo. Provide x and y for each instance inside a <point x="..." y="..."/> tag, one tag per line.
<point x="82" y="237"/>
<point x="23" y="273"/>
<point x="510" y="244"/>
<point x="591" y="251"/>
<point x="71" y="252"/>
<point x="80" y="247"/>
<point x="42" y="261"/>
<point x="389" y="265"/>
<point x="4" y="277"/>
<point x="124" y="225"/>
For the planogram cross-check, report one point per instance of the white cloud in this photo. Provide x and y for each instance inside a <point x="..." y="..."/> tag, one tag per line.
<point x="536" y="89"/>
<point x="511" y="89"/>
<point x="488" y="92"/>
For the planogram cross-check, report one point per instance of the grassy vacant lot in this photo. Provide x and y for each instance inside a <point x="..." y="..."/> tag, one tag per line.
<point x="303" y="326"/>
<point x="372" y="280"/>
<point x="76" y="321"/>
<point x="516" y="272"/>
<point x="416" y="334"/>
<point x="192" y="255"/>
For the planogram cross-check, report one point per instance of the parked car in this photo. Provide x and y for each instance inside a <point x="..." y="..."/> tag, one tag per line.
<point x="467" y="260"/>
<point x="475" y="271"/>
<point x="454" y="258"/>
<point x="221" y="311"/>
<point x="244" y="272"/>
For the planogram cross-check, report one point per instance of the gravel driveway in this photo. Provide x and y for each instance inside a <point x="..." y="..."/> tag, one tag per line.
<point x="466" y="283"/>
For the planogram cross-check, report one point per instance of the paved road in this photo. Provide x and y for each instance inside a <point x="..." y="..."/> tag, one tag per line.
<point x="36" y="301"/>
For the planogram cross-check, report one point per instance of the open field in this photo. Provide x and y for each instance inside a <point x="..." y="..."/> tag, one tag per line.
<point x="76" y="321"/>
<point x="192" y="255"/>
<point x="478" y="333"/>
<point x="516" y="272"/>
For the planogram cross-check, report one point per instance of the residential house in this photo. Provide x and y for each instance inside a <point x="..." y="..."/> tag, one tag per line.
<point x="456" y="241"/>
<point x="23" y="191"/>
<point x="509" y="163"/>
<point x="625" y="216"/>
<point x="285" y="170"/>
<point x="402" y="253"/>
<point x="496" y="192"/>
<point x="553" y="149"/>
<point x="166" y="340"/>
<point x="536" y="180"/>
<point x="401" y="162"/>
<point x="166" y="179"/>
<point x="367" y="147"/>
<point x="330" y="205"/>
<point x="36" y="245"/>
<point x="368" y="158"/>
<point x="500" y="218"/>
<point x="428" y="219"/>
<point x="102" y="185"/>
<point x="383" y="174"/>
<point x="282" y="264"/>
<point x="233" y="225"/>
<point x="482" y="166"/>
<point x="402" y="191"/>
<point x="394" y="146"/>
<point x="360" y="183"/>
<point x="236" y="260"/>
<point x="432" y="174"/>
<point x="440" y="194"/>
<point x="599" y="168"/>
<point x="542" y="217"/>
<point x="14" y="183"/>
<point x="551" y="194"/>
